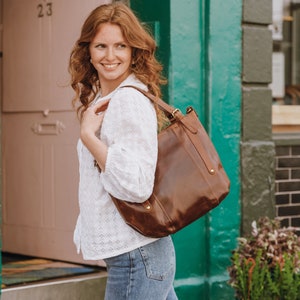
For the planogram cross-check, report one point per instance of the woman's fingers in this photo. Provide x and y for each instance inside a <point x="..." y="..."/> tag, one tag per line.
<point x="93" y="117"/>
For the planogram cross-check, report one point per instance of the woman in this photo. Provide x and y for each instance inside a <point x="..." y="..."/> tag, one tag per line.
<point x="117" y="151"/>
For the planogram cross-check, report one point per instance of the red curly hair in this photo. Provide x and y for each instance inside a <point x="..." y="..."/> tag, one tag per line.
<point x="84" y="77"/>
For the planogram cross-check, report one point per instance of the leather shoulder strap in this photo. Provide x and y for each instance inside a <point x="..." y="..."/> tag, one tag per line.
<point x="175" y="113"/>
<point x="188" y="123"/>
<point x="162" y="105"/>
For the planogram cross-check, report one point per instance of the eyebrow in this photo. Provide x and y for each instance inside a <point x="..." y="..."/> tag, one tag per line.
<point x="119" y="42"/>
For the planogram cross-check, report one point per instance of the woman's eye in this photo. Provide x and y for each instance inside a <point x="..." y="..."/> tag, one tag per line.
<point x="122" y="46"/>
<point x="101" y="46"/>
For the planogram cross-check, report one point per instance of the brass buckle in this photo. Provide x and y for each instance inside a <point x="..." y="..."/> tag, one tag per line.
<point x="174" y="112"/>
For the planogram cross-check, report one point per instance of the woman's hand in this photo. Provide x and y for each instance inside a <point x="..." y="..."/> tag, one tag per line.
<point x="92" y="119"/>
<point x="90" y="124"/>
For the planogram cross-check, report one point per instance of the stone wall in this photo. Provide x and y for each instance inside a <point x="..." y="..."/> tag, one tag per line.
<point x="257" y="146"/>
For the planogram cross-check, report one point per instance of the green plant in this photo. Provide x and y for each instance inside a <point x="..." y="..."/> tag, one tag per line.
<point x="266" y="265"/>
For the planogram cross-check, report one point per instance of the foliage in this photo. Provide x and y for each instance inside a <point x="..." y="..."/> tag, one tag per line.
<point x="266" y="265"/>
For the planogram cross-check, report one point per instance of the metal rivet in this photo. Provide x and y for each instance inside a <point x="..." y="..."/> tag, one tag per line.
<point x="212" y="171"/>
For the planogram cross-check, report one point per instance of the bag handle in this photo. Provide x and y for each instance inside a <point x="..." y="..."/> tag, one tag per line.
<point x="171" y="111"/>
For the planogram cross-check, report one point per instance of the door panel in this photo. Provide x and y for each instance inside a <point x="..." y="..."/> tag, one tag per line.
<point x="22" y="54"/>
<point x="39" y="127"/>
<point x="40" y="178"/>
<point x="37" y="40"/>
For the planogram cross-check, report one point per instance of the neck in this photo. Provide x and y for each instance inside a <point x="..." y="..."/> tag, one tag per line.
<point x="105" y="90"/>
<point x="107" y="86"/>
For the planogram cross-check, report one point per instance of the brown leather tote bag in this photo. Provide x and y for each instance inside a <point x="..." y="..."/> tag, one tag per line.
<point x="189" y="178"/>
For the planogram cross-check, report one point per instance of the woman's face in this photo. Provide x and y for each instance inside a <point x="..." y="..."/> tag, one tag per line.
<point x="110" y="56"/>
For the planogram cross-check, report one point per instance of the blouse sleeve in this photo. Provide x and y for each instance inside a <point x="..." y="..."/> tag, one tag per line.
<point x="132" y="154"/>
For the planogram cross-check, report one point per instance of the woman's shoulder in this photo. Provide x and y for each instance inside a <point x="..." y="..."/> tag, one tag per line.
<point x="130" y="82"/>
<point x="128" y="91"/>
<point x="131" y="98"/>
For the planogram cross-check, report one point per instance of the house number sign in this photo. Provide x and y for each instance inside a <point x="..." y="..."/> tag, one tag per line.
<point x="44" y="9"/>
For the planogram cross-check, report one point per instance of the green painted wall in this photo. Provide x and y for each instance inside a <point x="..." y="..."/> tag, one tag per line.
<point x="203" y="46"/>
<point x="205" y="71"/>
<point x="224" y="125"/>
<point x="187" y="85"/>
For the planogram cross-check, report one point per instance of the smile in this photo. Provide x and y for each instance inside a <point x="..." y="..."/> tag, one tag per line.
<point x="110" y="66"/>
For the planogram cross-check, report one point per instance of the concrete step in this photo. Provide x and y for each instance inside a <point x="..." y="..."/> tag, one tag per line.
<point x="86" y="287"/>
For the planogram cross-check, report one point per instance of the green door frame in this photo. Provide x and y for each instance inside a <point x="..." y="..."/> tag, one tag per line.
<point x="204" y="68"/>
<point x="206" y="72"/>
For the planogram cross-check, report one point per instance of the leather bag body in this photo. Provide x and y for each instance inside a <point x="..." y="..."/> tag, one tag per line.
<point x="189" y="177"/>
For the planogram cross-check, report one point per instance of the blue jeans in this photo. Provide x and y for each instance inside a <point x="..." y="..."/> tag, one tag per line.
<point x="146" y="273"/>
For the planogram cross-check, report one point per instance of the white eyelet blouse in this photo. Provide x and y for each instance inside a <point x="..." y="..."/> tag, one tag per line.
<point x="129" y="129"/>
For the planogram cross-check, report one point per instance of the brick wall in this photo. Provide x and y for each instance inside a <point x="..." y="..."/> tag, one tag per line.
<point x="287" y="193"/>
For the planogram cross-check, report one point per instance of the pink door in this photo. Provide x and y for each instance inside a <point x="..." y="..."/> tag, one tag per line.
<point x="39" y="127"/>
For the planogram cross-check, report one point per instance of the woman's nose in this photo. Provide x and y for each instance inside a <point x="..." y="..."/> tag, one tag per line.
<point x="110" y="54"/>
